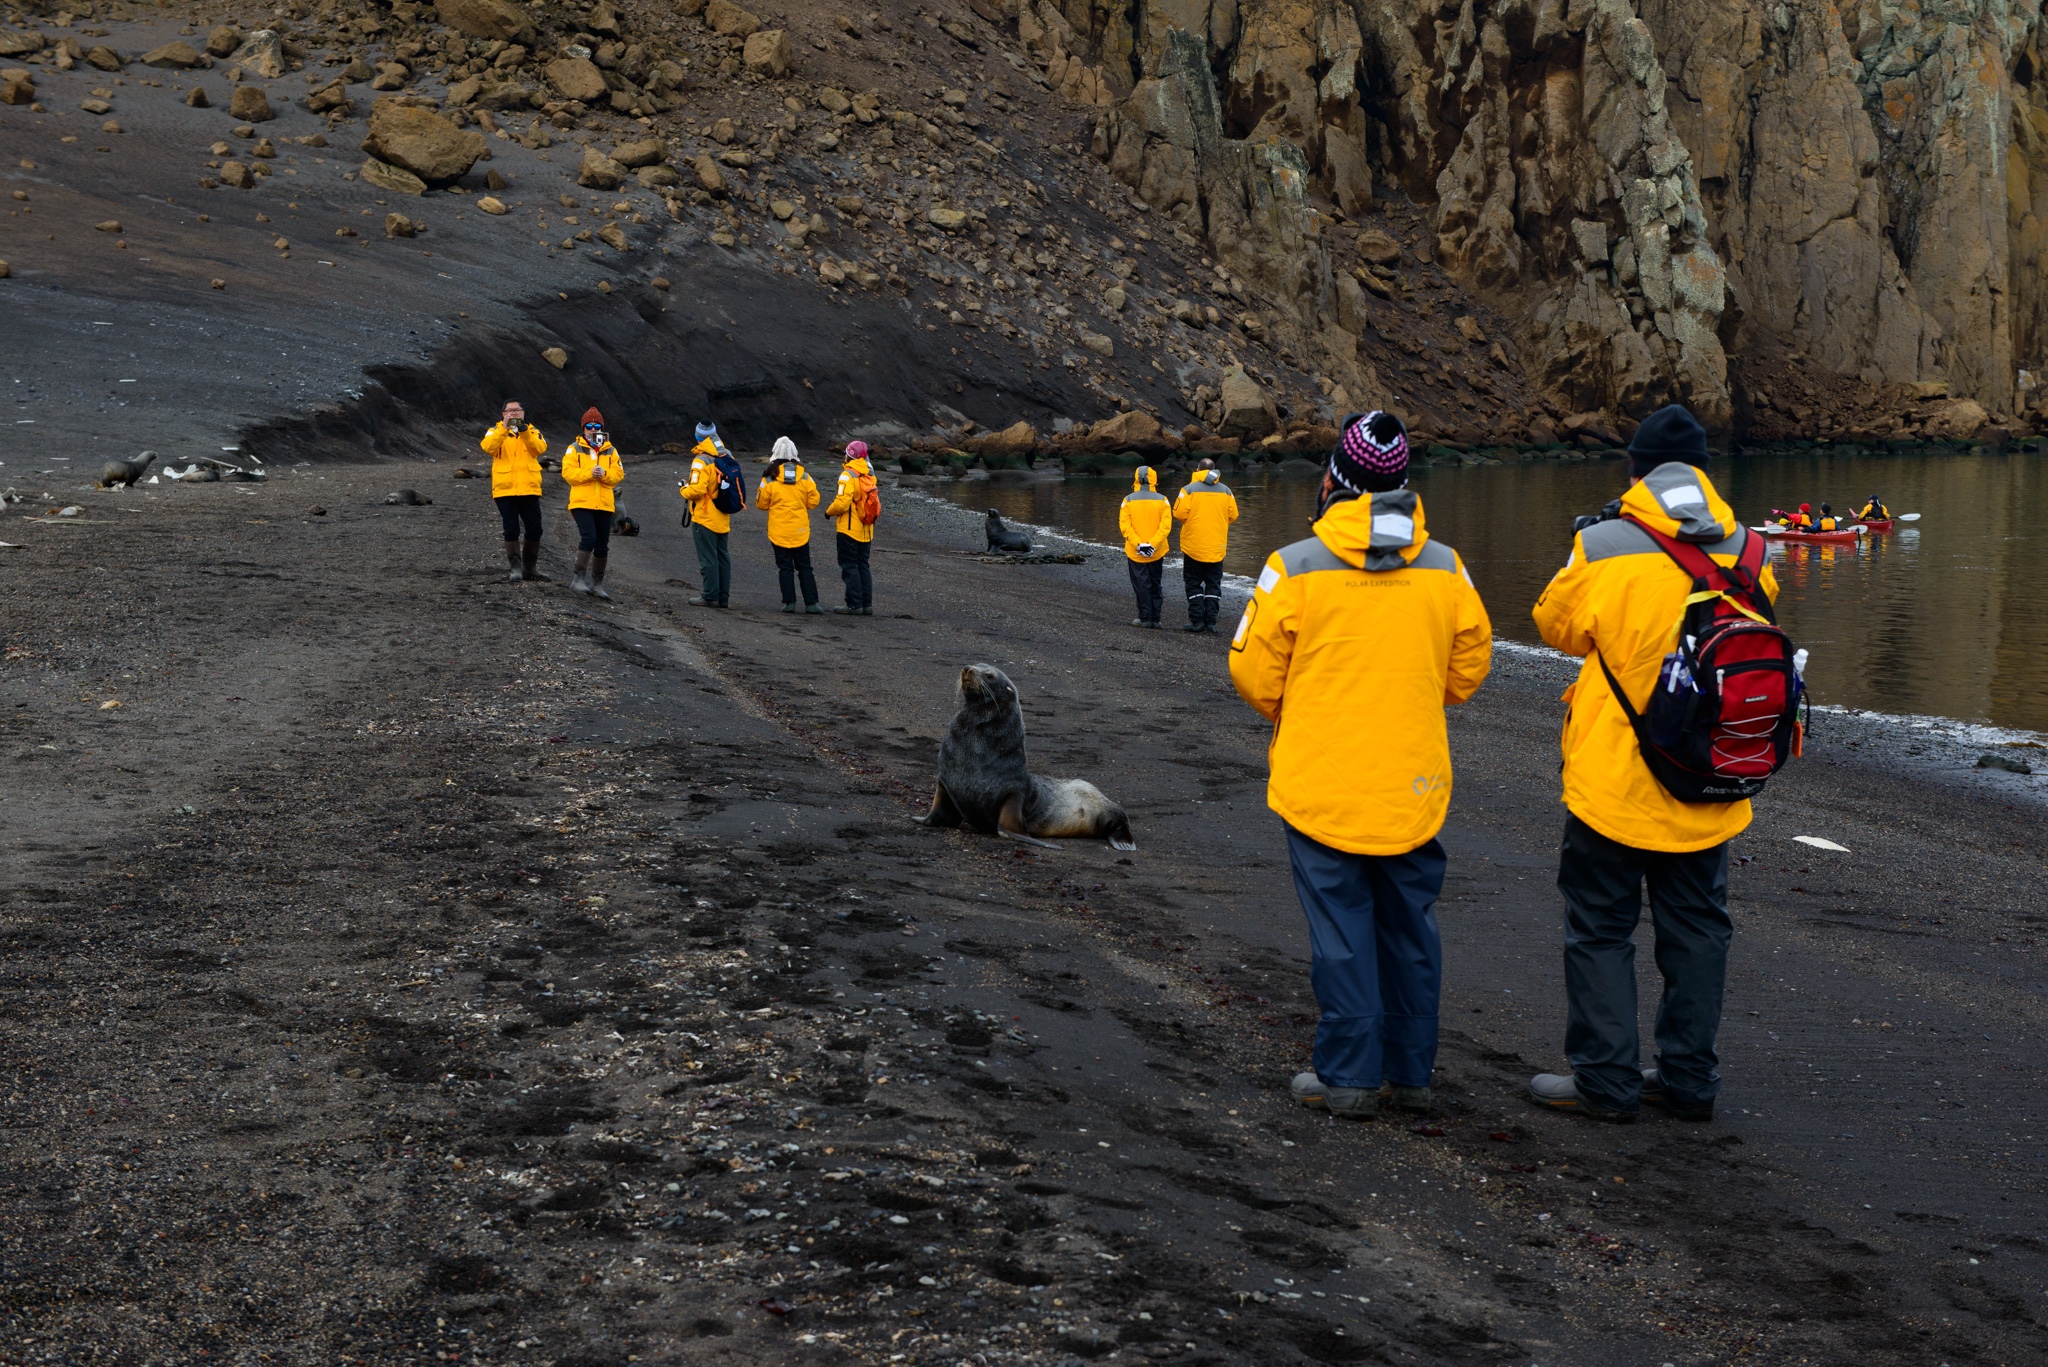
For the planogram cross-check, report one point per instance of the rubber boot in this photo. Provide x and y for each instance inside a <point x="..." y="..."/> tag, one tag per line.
<point x="597" y="578"/>
<point x="512" y="567"/>
<point x="581" y="581"/>
<point x="529" y="564"/>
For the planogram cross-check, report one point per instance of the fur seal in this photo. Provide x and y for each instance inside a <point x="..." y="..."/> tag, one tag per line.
<point x="1005" y="539"/>
<point x="407" y="498"/>
<point x="984" y="784"/>
<point x="123" y="473"/>
<point x="623" y="524"/>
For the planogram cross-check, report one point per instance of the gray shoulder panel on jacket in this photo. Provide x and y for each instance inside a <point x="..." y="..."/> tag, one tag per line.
<point x="1305" y="557"/>
<point x="1604" y="540"/>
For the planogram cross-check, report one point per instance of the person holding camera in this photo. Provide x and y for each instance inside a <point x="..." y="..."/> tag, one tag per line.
<point x="515" y="449"/>
<point x="715" y="491"/>
<point x="591" y="469"/>
<point x="1146" y="520"/>
<point x="787" y="496"/>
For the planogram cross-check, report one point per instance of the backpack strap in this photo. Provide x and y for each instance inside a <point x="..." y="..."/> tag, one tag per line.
<point x="1744" y="577"/>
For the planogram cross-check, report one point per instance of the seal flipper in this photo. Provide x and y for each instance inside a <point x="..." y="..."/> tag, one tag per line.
<point x="1119" y="833"/>
<point x="1010" y="824"/>
<point x="943" y="812"/>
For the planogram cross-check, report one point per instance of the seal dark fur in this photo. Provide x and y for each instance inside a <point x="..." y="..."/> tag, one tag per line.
<point x="123" y="473"/>
<point x="985" y="785"/>
<point x="1005" y="539"/>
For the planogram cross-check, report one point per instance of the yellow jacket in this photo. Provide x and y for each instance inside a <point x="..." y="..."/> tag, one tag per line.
<point x="1355" y="683"/>
<point x="841" y="510"/>
<point x="1874" y="511"/>
<point x="591" y="475"/>
<point x="1146" y="519"/>
<point x="703" y="487"/>
<point x="515" y="461"/>
<point x="1205" y="510"/>
<point x="1622" y="594"/>
<point x="788" y="507"/>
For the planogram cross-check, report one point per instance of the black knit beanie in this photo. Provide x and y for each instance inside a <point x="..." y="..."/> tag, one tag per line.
<point x="1670" y="433"/>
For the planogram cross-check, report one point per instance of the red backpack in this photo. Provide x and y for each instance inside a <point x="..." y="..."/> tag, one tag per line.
<point x="1725" y="713"/>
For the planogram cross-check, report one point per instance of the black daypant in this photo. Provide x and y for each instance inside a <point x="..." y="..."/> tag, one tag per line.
<point x="593" y="531"/>
<point x="1146" y="577"/>
<point x="853" y="569"/>
<point x="793" y="566"/>
<point x="1204" y="580"/>
<point x="520" y="510"/>
<point x="714" y="559"/>
<point x="1602" y="882"/>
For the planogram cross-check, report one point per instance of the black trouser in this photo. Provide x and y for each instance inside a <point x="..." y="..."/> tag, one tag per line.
<point x="714" y="558"/>
<point x="793" y="566"/>
<point x="1602" y="882"/>
<point x="1204" y="580"/>
<point x="594" y="531"/>
<point x="1146" y="584"/>
<point x="853" y="569"/>
<point x="519" y="510"/>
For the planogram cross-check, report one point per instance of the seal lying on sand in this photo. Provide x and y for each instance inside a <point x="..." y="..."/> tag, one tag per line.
<point x="1006" y="539"/>
<point x="983" y="782"/>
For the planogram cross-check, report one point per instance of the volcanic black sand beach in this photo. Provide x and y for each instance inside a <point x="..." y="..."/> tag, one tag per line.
<point x="414" y="966"/>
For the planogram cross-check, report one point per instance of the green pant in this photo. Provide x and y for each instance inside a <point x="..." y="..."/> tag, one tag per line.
<point x="715" y="561"/>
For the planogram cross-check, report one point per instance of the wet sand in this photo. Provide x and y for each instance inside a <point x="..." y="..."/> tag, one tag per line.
<point x="417" y="963"/>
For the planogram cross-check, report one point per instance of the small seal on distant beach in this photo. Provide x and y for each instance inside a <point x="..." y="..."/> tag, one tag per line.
<point x="122" y="473"/>
<point x="984" y="783"/>
<point x="1001" y="538"/>
<point x="407" y="498"/>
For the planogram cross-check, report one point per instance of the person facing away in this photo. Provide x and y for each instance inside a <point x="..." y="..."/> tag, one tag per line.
<point x="711" y="474"/>
<point x="1617" y="604"/>
<point x="1146" y="520"/>
<point x="1205" y="510"/>
<point x="787" y="495"/>
<point x="1827" y="521"/>
<point x="515" y="448"/>
<point x="854" y="503"/>
<point x="1355" y="684"/>
<point x="1875" y="511"/>
<point x="1802" y="520"/>
<point x="591" y="468"/>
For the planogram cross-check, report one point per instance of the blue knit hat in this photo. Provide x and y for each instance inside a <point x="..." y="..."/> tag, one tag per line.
<point x="706" y="429"/>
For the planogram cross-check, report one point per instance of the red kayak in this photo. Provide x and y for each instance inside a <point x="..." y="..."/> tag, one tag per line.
<point x="1787" y="534"/>
<point x="1879" y="524"/>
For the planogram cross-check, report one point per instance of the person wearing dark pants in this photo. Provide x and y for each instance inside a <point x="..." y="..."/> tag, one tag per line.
<point x="1205" y="510"/>
<point x="515" y="448"/>
<point x="1146" y="520"/>
<point x="1377" y="963"/>
<point x="1613" y="604"/>
<point x="713" y="474"/>
<point x="591" y="468"/>
<point x="856" y="506"/>
<point x="1355" y="684"/>
<point x="787" y="495"/>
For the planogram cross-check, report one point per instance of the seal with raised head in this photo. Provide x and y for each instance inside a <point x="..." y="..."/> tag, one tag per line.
<point x="985" y="785"/>
<point x="1007" y="540"/>
<point x="120" y="474"/>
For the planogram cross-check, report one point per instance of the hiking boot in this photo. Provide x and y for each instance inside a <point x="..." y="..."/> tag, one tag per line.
<point x="513" y="570"/>
<point x="1137" y="621"/>
<point x="1354" y="1103"/>
<point x="1152" y="626"/>
<point x="846" y="612"/>
<point x="580" y="581"/>
<point x="1653" y="1092"/>
<point x="1406" y="1100"/>
<point x="814" y="608"/>
<point x="1193" y="626"/>
<point x="789" y="607"/>
<point x="597" y="578"/>
<point x="529" y="564"/>
<point x="867" y="612"/>
<point x="1560" y="1092"/>
<point x="703" y="602"/>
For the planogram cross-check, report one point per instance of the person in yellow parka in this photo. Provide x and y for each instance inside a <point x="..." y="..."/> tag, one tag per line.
<point x="714" y="478"/>
<point x="1620" y="599"/>
<point x="1146" y="520"/>
<point x="855" y="504"/>
<point x="515" y="449"/>
<point x="1205" y="510"/>
<point x="787" y="495"/>
<point x="1355" y="684"/>
<point x="591" y="469"/>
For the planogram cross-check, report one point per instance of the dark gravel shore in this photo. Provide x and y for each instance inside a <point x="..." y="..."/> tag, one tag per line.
<point x="419" y="967"/>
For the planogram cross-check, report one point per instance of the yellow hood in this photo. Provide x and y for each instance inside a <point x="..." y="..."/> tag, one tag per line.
<point x="706" y="448"/>
<point x="1382" y="534"/>
<point x="1144" y="478"/>
<point x="859" y="465"/>
<point x="1680" y="501"/>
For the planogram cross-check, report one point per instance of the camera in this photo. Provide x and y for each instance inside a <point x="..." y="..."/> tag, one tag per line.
<point x="515" y="427"/>
<point x="1608" y="514"/>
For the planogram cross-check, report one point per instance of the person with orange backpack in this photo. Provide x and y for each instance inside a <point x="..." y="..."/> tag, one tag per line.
<point x="855" y="509"/>
<point x="1671" y="603"/>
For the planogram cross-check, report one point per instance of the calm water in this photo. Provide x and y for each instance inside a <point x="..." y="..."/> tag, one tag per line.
<point x="1948" y="619"/>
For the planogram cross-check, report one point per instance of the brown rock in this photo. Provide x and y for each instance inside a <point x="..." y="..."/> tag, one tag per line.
<point x="722" y="132"/>
<point x="1378" y="247"/>
<point x="112" y="225"/>
<point x="398" y="225"/>
<point x="599" y="172"/>
<point x="1248" y="410"/>
<point x="555" y="356"/>
<point x="396" y="179"/>
<point x="463" y="91"/>
<point x="488" y="204"/>
<point x="5" y="270"/>
<point x="768" y="53"/>
<point x="1957" y="420"/>
<point x="646" y="152"/>
<point x="613" y="236"/>
<point x="17" y="89"/>
<point x="604" y="18"/>
<point x="1132" y="431"/>
<point x="250" y="104"/>
<point x="223" y="41"/>
<point x="1468" y="328"/>
<point x="709" y="178"/>
<point x="1542" y="432"/>
<point x="833" y="101"/>
<point x="261" y="52"/>
<point x="1098" y="343"/>
<point x="196" y="97"/>
<point x="22" y="44"/>
<point x="237" y="175"/>
<point x="1018" y="439"/>
<point x="421" y="142"/>
<point x="178" y="56"/>
<point x="577" y="78"/>
<point x="495" y="180"/>
<point x="330" y="99"/>
<point x="657" y="177"/>
<point x="390" y="76"/>
<point x="487" y="19"/>
<point x="105" y="58"/>
<point x="729" y="20"/>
